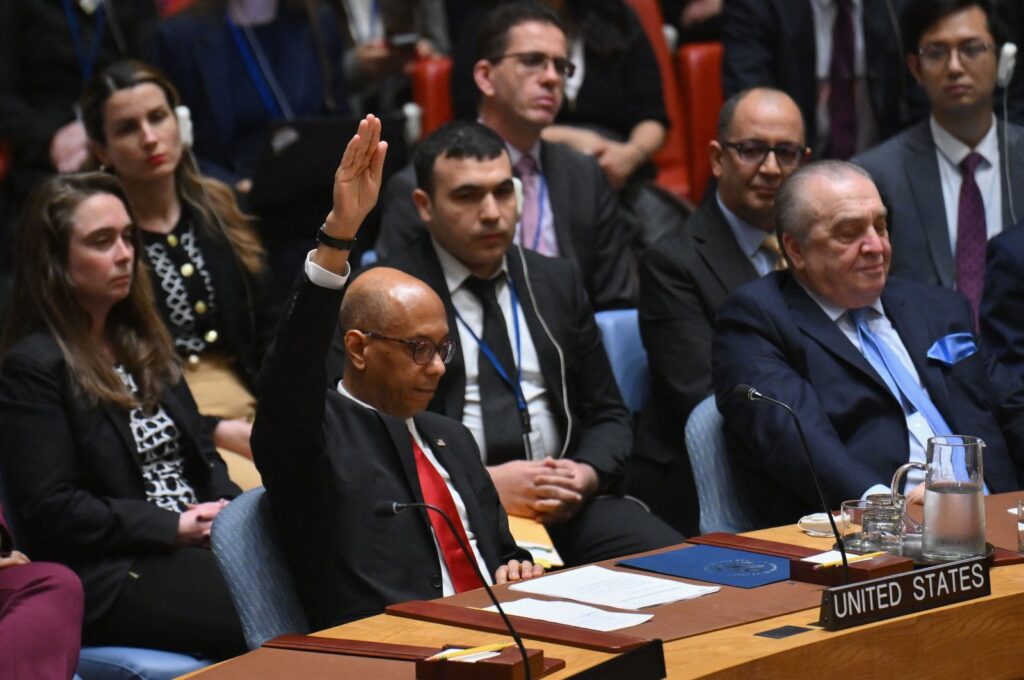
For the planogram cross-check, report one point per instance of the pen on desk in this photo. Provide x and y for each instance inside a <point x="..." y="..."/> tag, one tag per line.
<point x="854" y="558"/>
<point x="454" y="654"/>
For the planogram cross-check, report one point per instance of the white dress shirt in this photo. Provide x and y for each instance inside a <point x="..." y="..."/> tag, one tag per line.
<point x="950" y="151"/>
<point x="544" y="437"/>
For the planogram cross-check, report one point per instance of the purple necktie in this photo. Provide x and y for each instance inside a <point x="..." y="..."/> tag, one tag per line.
<point x="842" y="109"/>
<point x="526" y="170"/>
<point x="971" y="235"/>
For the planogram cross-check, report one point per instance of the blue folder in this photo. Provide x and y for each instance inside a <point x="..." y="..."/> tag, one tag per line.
<point x="723" y="566"/>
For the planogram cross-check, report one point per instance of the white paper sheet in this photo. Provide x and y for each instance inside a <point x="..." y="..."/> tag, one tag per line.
<point x="572" y="614"/>
<point x="622" y="590"/>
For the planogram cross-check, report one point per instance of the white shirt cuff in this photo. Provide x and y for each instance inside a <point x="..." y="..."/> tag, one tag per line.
<point x="324" y="278"/>
<point x="877" y="488"/>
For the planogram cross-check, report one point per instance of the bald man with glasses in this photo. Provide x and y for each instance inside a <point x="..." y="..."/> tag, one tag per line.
<point x="328" y="457"/>
<point x="686" y="275"/>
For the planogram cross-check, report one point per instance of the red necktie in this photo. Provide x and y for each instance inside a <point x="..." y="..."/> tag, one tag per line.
<point x="435" y="492"/>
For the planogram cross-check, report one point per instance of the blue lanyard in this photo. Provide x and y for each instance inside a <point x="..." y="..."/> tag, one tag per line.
<point x="86" y="61"/>
<point x="541" y="195"/>
<point x="255" y="74"/>
<point x="517" y="387"/>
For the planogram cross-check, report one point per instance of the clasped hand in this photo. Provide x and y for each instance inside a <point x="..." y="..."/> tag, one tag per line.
<point x="195" y="523"/>
<point x="547" y="490"/>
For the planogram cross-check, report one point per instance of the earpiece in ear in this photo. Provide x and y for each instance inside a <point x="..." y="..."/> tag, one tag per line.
<point x="184" y="117"/>
<point x="518" y="185"/>
<point x="1007" y="62"/>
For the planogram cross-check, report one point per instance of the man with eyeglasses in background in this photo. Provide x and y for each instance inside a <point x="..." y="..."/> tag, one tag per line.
<point x="687" y="275"/>
<point x="330" y="455"/>
<point x="531" y="379"/>
<point x="569" y="209"/>
<point x="955" y="180"/>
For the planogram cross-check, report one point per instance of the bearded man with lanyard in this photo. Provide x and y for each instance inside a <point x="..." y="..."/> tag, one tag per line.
<point x="531" y="379"/>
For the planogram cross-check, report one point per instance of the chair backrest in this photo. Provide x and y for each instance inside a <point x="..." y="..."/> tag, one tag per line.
<point x="721" y="507"/>
<point x="673" y="157"/>
<point x="620" y="331"/>
<point x="246" y="545"/>
<point x="431" y="89"/>
<point x="700" y="74"/>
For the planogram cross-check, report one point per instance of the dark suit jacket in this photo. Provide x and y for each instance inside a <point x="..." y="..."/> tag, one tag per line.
<point x="1002" y="305"/>
<point x="591" y="228"/>
<point x="601" y="433"/>
<point x="906" y="172"/>
<point x="684" y="279"/>
<point x="772" y="335"/>
<point x="326" y="461"/>
<point x="74" y="480"/>
<point x="771" y="42"/>
<point x="196" y="51"/>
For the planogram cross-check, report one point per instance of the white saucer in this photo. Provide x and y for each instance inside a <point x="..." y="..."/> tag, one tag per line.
<point x="816" y="525"/>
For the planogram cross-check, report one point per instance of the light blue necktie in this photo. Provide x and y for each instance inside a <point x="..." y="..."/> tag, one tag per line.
<point x="902" y="384"/>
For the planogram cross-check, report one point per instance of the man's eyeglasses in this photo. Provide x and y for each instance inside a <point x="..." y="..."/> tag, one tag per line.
<point x="423" y="351"/>
<point x="538" y="61"/>
<point x="937" y="55"/>
<point x="755" y="151"/>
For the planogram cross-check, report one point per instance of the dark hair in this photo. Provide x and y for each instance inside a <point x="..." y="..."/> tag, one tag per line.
<point x="207" y="197"/>
<point x="921" y="15"/>
<point x="44" y="299"/>
<point x="492" y="40"/>
<point x="457" y="139"/>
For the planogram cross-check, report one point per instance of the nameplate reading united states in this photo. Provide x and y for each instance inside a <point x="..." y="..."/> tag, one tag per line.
<point x="899" y="594"/>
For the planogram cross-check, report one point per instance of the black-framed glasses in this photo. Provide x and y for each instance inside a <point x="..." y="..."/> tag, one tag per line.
<point x="538" y="61"/>
<point x="787" y="155"/>
<point x="423" y="350"/>
<point x="937" y="54"/>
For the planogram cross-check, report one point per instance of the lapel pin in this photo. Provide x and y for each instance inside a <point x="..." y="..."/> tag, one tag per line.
<point x="440" y="442"/>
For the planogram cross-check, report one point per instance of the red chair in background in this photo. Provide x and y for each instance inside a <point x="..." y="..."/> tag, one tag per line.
<point x="169" y="7"/>
<point x="700" y="74"/>
<point x="5" y="159"/>
<point x="672" y="159"/>
<point x="431" y="89"/>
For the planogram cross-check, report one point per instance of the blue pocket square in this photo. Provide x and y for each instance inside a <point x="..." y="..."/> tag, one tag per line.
<point x="953" y="348"/>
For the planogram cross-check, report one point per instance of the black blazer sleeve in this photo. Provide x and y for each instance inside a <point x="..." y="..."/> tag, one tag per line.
<point x="1002" y="306"/>
<point x="62" y="500"/>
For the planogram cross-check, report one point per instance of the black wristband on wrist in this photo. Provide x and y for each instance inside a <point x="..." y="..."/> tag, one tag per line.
<point x="337" y="243"/>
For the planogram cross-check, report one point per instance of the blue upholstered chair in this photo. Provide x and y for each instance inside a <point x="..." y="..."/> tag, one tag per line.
<point x="245" y="543"/>
<point x="721" y="506"/>
<point x="620" y="331"/>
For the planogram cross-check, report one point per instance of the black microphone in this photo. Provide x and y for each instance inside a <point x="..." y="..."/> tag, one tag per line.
<point x="392" y="508"/>
<point x="751" y="394"/>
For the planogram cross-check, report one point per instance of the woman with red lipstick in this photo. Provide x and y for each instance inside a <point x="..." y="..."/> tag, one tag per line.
<point x="110" y="468"/>
<point x="207" y="265"/>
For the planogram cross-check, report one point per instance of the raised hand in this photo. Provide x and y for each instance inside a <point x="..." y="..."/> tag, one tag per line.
<point x="357" y="180"/>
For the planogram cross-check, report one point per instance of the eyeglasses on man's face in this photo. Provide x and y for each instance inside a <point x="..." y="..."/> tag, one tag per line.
<point x="755" y="151"/>
<point x="538" y="62"/>
<point x="423" y="350"/>
<point x="936" y="55"/>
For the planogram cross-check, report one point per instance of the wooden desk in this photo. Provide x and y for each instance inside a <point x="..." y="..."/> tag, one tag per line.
<point x="980" y="638"/>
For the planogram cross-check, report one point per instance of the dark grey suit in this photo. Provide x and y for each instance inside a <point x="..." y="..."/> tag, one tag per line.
<point x="906" y="172"/>
<point x="684" y="279"/>
<point x="592" y="230"/>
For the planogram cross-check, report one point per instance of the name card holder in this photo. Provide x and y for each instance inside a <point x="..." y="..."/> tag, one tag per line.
<point x="891" y="596"/>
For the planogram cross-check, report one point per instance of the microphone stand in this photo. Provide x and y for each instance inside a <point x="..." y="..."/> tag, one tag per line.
<point x="392" y="508"/>
<point x="751" y="394"/>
